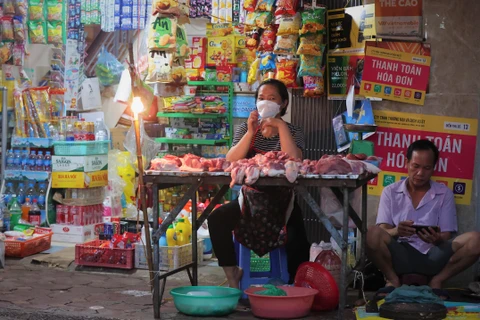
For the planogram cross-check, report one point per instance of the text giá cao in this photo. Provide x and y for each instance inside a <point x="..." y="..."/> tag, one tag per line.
<point x="399" y="3"/>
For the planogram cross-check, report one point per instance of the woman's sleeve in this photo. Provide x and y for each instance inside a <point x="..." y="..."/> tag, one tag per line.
<point x="239" y="133"/>
<point x="299" y="138"/>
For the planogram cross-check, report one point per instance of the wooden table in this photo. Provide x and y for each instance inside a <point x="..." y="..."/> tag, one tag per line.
<point x="342" y="186"/>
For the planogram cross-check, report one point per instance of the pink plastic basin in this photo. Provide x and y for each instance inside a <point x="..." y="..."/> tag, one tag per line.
<point x="296" y="304"/>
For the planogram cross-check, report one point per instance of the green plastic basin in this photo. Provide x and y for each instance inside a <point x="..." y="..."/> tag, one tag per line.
<point x="205" y="300"/>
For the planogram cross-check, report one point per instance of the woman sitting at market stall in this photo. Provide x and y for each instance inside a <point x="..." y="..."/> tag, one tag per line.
<point x="272" y="210"/>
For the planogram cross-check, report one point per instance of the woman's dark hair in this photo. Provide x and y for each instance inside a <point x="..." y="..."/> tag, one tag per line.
<point x="281" y="88"/>
<point x="423" y="145"/>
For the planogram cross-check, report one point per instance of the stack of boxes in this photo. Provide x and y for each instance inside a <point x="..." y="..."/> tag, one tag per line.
<point x="80" y="217"/>
<point x="124" y="14"/>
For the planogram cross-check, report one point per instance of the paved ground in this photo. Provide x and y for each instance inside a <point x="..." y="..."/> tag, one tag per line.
<point x="39" y="291"/>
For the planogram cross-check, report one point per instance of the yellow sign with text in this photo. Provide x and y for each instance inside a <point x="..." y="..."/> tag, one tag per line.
<point x="80" y="179"/>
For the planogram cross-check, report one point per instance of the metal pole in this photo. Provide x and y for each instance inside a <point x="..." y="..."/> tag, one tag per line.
<point x="344" y="246"/>
<point x="4" y="132"/>
<point x="364" y="229"/>
<point x="156" y="256"/>
<point x="194" y="239"/>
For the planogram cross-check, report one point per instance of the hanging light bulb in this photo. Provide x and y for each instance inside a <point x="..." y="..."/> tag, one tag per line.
<point x="137" y="106"/>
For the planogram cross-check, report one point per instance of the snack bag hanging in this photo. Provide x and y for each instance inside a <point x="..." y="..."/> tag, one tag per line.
<point x="267" y="40"/>
<point x="249" y="5"/>
<point x="8" y="7"/>
<point x="267" y="62"/>
<point x="54" y="32"/>
<point x="263" y="19"/>
<point x="265" y="5"/>
<point x="108" y="68"/>
<point x="21" y="8"/>
<point x="7" y="29"/>
<point x="37" y="32"/>
<point x="183" y="50"/>
<point x="179" y="74"/>
<point x="286" y="7"/>
<point x="287" y="72"/>
<point x="314" y="87"/>
<point x="310" y="66"/>
<point x="286" y="45"/>
<point x="35" y="10"/>
<point x="55" y="10"/>
<point x="162" y="34"/>
<point x="18" y="29"/>
<point x="313" y="21"/>
<point x="18" y="54"/>
<point x="252" y="72"/>
<point x="289" y="25"/>
<point x="169" y="7"/>
<point x="311" y="44"/>
<point x="160" y="67"/>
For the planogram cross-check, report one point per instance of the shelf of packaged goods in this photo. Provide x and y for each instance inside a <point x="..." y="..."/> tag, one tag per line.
<point x="20" y="175"/>
<point x="207" y="142"/>
<point x="191" y="115"/>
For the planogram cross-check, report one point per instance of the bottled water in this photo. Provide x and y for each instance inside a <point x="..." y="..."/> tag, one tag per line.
<point x="9" y="192"/>
<point x="25" y="165"/>
<point x="6" y="218"/>
<point x="17" y="160"/>
<point x="2" y="209"/>
<point x="54" y="133"/>
<point x="39" y="164"/>
<point x="69" y="136"/>
<point x="21" y="194"/>
<point x="101" y="132"/>
<point x="31" y="193"/>
<point x="32" y="160"/>
<point x="42" y="193"/>
<point x="48" y="161"/>
<point x="10" y="160"/>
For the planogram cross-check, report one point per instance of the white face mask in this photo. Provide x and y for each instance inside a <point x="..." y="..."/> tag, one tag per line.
<point x="267" y="109"/>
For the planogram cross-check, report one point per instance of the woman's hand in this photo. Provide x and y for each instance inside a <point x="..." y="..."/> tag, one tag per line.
<point x="271" y="126"/>
<point x="252" y="123"/>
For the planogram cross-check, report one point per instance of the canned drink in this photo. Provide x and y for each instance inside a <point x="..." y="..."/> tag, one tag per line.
<point x="108" y="228"/>
<point x="71" y="215"/>
<point x="60" y="217"/>
<point x="116" y="227"/>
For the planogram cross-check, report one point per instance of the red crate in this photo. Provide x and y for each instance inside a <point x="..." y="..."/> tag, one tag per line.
<point x="21" y="249"/>
<point x="90" y="254"/>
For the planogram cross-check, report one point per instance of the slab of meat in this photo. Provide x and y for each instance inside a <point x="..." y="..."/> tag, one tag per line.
<point x="238" y="174"/>
<point x="252" y="174"/>
<point x="358" y="167"/>
<point x="332" y="165"/>
<point x="167" y="163"/>
<point x="274" y="168"/>
<point x="308" y="167"/>
<point x="291" y="170"/>
<point x="218" y="165"/>
<point x="193" y="163"/>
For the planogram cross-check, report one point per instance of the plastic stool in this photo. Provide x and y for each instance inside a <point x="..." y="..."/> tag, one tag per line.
<point x="278" y="267"/>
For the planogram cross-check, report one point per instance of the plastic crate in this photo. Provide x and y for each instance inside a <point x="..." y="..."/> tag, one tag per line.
<point x="170" y="257"/>
<point x="90" y="254"/>
<point x="21" y="249"/>
<point x="259" y="264"/>
<point x="80" y="148"/>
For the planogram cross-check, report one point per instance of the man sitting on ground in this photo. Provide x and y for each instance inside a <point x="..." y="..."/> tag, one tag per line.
<point x="397" y="248"/>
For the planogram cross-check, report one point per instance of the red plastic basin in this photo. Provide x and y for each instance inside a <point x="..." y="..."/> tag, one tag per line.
<point x="296" y="304"/>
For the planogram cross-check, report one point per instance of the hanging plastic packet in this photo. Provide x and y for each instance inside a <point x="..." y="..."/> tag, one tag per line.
<point x="313" y="87"/>
<point x="169" y="7"/>
<point x="310" y="66"/>
<point x="54" y="10"/>
<point x="57" y="102"/>
<point x="263" y="19"/>
<point x="21" y="8"/>
<point x="108" y="68"/>
<point x="8" y="7"/>
<point x="289" y="25"/>
<point x="267" y="62"/>
<point x="7" y="29"/>
<point x="179" y="74"/>
<point x="313" y="21"/>
<point x="18" y="29"/>
<point x="183" y="50"/>
<point x="265" y="5"/>
<point x="267" y="40"/>
<point x="41" y="98"/>
<point x="287" y="72"/>
<point x="251" y="41"/>
<point x="250" y="22"/>
<point x="249" y="5"/>
<point x="286" y="45"/>
<point x="162" y="34"/>
<point x="311" y="44"/>
<point x="18" y="54"/>
<point x="20" y="115"/>
<point x="5" y="52"/>
<point x="286" y="7"/>
<point x="33" y="121"/>
<point x="54" y="32"/>
<point x="160" y="67"/>
<point x="35" y="10"/>
<point x="37" y="32"/>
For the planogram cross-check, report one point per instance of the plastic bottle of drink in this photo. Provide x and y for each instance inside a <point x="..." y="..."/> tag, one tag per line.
<point x="15" y="212"/>
<point x="32" y="161"/>
<point x="48" y="161"/>
<point x="26" y="209"/>
<point x="25" y="160"/>
<point x="17" y="160"/>
<point x="31" y="193"/>
<point x="9" y="192"/>
<point x="330" y="261"/>
<point x="69" y="136"/>
<point x="21" y="194"/>
<point x="39" y="163"/>
<point x="2" y="209"/>
<point x="10" y="160"/>
<point x="34" y="215"/>
<point x="6" y="218"/>
<point x="101" y="132"/>
<point x="42" y="193"/>
<point x="54" y="133"/>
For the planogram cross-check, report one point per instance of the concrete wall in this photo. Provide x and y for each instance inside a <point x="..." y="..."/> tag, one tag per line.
<point x="454" y="88"/>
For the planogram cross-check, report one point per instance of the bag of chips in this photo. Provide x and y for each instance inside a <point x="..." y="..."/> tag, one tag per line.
<point x="160" y="67"/>
<point x="170" y="7"/>
<point x="7" y="29"/>
<point x="21" y="8"/>
<point x="249" y="5"/>
<point x="267" y="62"/>
<point x="37" y="32"/>
<point x="313" y="87"/>
<point x="263" y="19"/>
<point x="313" y="21"/>
<point x="310" y="66"/>
<point x="286" y="7"/>
<point x="286" y="44"/>
<point x="287" y="72"/>
<point x="162" y="34"/>
<point x="18" y="54"/>
<point x="35" y="10"/>
<point x="311" y="44"/>
<point x="289" y="25"/>
<point x="251" y="41"/>
<point x="267" y="40"/>
<point x="55" y="32"/>
<point x="252" y="72"/>
<point x="8" y="7"/>
<point x="183" y="50"/>
<point x="265" y="5"/>
<point x="54" y="10"/>
<point x="179" y="74"/>
<point x="18" y="29"/>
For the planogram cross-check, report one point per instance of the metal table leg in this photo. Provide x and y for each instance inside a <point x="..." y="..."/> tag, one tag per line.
<point x="157" y="296"/>
<point x="364" y="233"/>
<point x="194" y="240"/>
<point x="344" y="247"/>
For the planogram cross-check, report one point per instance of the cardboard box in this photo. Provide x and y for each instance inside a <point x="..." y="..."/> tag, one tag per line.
<point x="79" y="163"/>
<point x="75" y="234"/>
<point x="80" y="179"/>
<point x="118" y="135"/>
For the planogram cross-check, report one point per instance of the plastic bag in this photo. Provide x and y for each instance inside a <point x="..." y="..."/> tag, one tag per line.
<point x="18" y="54"/>
<point x="35" y="10"/>
<point x="162" y="34"/>
<point x="108" y="68"/>
<point x="313" y="21"/>
<point x="263" y="19"/>
<point x="54" y="32"/>
<point x="313" y="87"/>
<point x="252" y="72"/>
<point x="7" y="29"/>
<point x="37" y="32"/>
<point x="54" y="10"/>
<point x="183" y="50"/>
<point x="310" y="66"/>
<point x="21" y="8"/>
<point x="267" y="40"/>
<point x="160" y="67"/>
<point x="311" y="45"/>
<point x="264" y="5"/>
<point x="288" y="7"/>
<point x="286" y="44"/>
<point x="267" y="62"/>
<point x="287" y="72"/>
<point x="289" y="25"/>
<point x="18" y="29"/>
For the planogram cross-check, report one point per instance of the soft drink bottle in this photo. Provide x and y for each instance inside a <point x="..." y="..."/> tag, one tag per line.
<point x="17" y="160"/>
<point x="42" y="193"/>
<point x="31" y="193"/>
<point x="34" y="215"/>
<point x="26" y="209"/>
<point x="10" y="160"/>
<point x="60" y="217"/>
<point x="32" y="161"/>
<point x="15" y="211"/>
<point x="21" y="194"/>
<point x="48" y="161"/>
<point x="39" y="163"/>
<point x="25" y="160"/>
